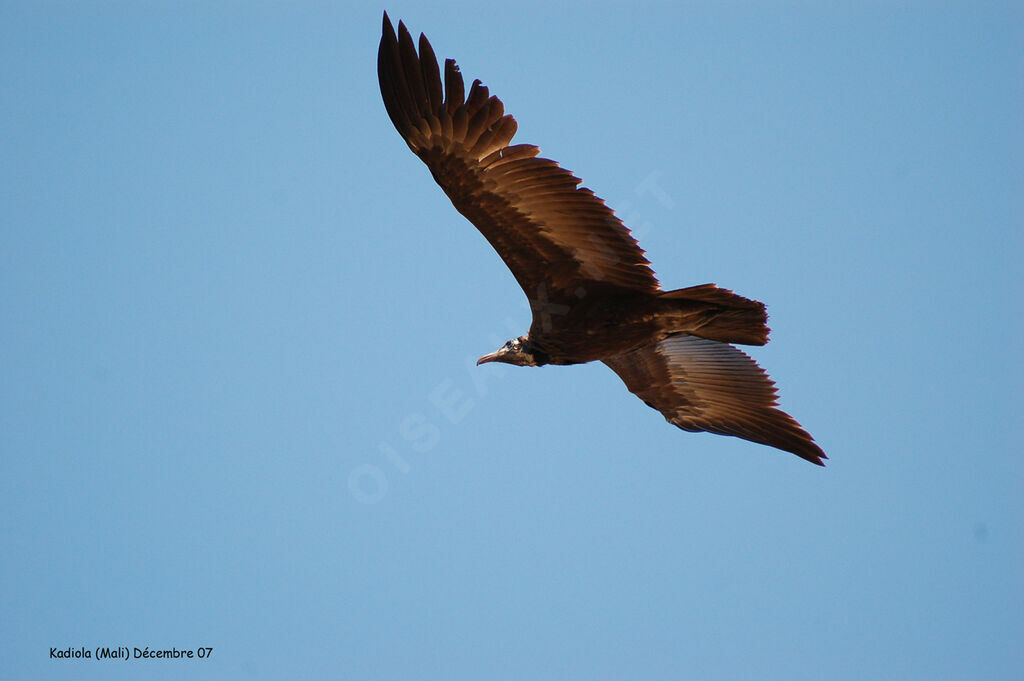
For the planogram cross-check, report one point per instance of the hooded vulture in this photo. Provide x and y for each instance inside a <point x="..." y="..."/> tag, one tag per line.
<point x="592" y="292"/>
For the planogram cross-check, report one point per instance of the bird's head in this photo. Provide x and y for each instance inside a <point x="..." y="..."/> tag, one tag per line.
<point x="516" y="351"/>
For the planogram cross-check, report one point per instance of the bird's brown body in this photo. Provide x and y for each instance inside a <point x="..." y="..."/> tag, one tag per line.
<point x="593" y="294"/>
<point x="611" y="323"/>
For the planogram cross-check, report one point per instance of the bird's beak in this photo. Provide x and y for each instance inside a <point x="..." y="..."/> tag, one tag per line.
<point x="493" y="357"/>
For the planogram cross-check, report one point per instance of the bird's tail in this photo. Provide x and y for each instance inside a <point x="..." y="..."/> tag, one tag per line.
<point x="723" y="315"/>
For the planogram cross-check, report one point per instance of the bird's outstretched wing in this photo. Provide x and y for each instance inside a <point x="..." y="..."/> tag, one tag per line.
<point x="560" y="241"/>
<point x="704" y="385"/>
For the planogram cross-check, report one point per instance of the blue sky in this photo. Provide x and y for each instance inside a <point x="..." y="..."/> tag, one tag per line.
<point x="238" y="320"/>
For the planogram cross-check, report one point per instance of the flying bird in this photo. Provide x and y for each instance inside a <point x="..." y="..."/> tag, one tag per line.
<point x="592" y="293"/>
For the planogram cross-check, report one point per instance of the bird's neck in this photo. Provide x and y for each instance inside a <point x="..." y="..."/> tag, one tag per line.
<point x="537" y="353"/>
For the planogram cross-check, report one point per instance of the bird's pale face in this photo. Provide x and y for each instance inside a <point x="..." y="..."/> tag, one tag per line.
<point x="512" y="352"/>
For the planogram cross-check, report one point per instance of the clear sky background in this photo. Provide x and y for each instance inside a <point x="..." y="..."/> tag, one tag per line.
<point x="238" y="321"/>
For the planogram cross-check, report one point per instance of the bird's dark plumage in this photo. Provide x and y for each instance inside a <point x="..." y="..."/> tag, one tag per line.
<point x="592" y="291"/>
